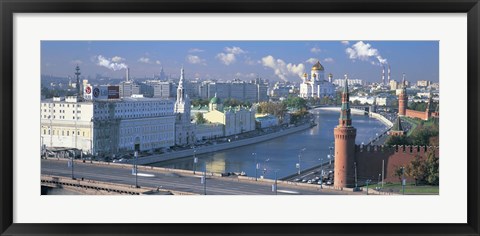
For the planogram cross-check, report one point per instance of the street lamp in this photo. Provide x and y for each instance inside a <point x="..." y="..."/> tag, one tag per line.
<point x="275" y="186"/>
<point x="41" y="148"/>
<point x="195" y="160"/>
<point x="378" y="183"/>
<point x="70" y="164"/>
<point x="330" y="156"/>
<point x="135" y="168"/>
<point x="256" y="164"/>
<point x="299" y="159"/>
<point x="265" y="167"/>
<point x="203" y="180"/>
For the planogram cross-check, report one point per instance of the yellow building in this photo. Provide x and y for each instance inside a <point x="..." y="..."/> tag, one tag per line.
<point x="236" y="120"/>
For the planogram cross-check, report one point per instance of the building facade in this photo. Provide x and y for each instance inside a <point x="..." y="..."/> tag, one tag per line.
<point x="236" y="120"/>
<point x="107" y="126"/>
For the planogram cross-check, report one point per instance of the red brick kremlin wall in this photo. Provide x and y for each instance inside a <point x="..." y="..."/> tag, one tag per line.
<point x="369" y="160"/>
<point x="417" y="114"/>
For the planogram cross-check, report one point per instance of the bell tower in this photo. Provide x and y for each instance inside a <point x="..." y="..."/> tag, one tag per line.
<point x="345" y="135"/>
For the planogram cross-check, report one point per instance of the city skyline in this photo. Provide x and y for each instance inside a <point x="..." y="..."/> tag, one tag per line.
<point x="245" y="60"/>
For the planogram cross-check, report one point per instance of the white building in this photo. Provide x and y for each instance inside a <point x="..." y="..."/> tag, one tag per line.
<point x="267" y="121"/>
<point x="107" y="126"/>
<point x="209" y="131"/>
<point x="184" y="128"/>
<point x="316" y="86"/>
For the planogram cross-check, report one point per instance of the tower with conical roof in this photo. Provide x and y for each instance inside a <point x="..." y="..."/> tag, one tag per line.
<point x="184" y="129"/>
<point x="182" y="105"/>
<point x="403" y="99"/>
<point x="397" y="129"/>
<point x="345" y="135"/>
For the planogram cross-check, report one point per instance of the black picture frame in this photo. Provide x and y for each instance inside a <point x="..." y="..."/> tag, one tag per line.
<point x="9" y="7"/>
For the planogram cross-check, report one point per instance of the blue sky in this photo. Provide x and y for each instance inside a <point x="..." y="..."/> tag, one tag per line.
<point x="227" y="60"/>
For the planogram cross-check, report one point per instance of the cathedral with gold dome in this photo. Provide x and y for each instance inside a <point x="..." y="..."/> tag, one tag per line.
<point x="316" y="86"/>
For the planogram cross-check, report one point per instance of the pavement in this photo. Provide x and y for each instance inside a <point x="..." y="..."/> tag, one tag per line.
<point x="171" y="180"/>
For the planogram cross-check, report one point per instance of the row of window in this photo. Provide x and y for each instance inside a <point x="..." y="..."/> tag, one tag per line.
<point x="61" y="105"/>
<point x="63" y="132"/>
<point x="132" y="130"/>
<point x="147" y="138"/>
<point x="60" y="117"/>
<point x="60" y="111"/>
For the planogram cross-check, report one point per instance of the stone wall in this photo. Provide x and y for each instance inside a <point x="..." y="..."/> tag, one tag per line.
<point x="369" y="160"/>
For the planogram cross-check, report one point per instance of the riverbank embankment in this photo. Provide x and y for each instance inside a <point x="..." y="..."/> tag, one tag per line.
<point x="219" y="146"/>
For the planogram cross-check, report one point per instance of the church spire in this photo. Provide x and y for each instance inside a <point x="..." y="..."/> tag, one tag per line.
<point x="180" y="90"/>
<point x="345" y="116"/>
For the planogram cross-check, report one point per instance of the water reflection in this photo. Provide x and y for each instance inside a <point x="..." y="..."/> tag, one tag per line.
<point x="282" y="153"/>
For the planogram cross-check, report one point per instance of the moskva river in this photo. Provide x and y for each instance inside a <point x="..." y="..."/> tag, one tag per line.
<point x="282" y="154"/>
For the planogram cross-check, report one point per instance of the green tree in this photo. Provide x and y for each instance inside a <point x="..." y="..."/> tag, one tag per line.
<point x="432" y="169"/>
<point x="277" y="109"/>
<point x="199" y="119"/>
<point x="416" y="169"/>
<point x="422" y="134"/>
<point x="200" y="102"/>
<point x="295" y="102"/>
<point x="398" y="171"/>
<point x="398" y="140"/>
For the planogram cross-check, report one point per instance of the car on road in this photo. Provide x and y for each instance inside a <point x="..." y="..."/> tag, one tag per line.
<point x="329" y="182"/>
<point x="296" y="180"/>
<point x="304" y="180"/>
<point x="309" y="181"/>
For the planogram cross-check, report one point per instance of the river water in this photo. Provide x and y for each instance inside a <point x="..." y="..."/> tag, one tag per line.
<point x="282" y="154"/>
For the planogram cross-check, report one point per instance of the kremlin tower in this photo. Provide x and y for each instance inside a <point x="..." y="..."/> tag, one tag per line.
<point x="403" y="99"/>
<point x="344" y="135"/>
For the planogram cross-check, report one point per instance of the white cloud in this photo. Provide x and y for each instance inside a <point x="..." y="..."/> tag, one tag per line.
<point x="108" y="63"/>
<point x="226" y="58"/>
<point x="345" y="42"/>
<point x="192" y="59"/>
<point x="229" y="55"/>
<point x="364" y="52"/>
<point x="117" y="59"/>
<point x="328" y="59"/>
<point x="145" y="60"/>
<point x="158" y="62"/>
<point x="234" y="50"/>
<point x="281" y="69"/>
<point x="315" y="50"/>
<point x="312" y="60"/>
<point x="195" y="50"/>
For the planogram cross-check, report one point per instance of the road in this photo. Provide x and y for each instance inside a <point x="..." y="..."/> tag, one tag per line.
<point x="173" y="181"/>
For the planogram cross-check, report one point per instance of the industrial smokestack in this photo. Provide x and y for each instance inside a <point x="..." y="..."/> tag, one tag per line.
<point x="389" y="73"/>
<point x="127" y="74"/>
<point x="383" y="74"/>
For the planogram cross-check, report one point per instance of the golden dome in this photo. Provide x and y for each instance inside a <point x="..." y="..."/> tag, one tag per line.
<point x="318" y="66"/>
